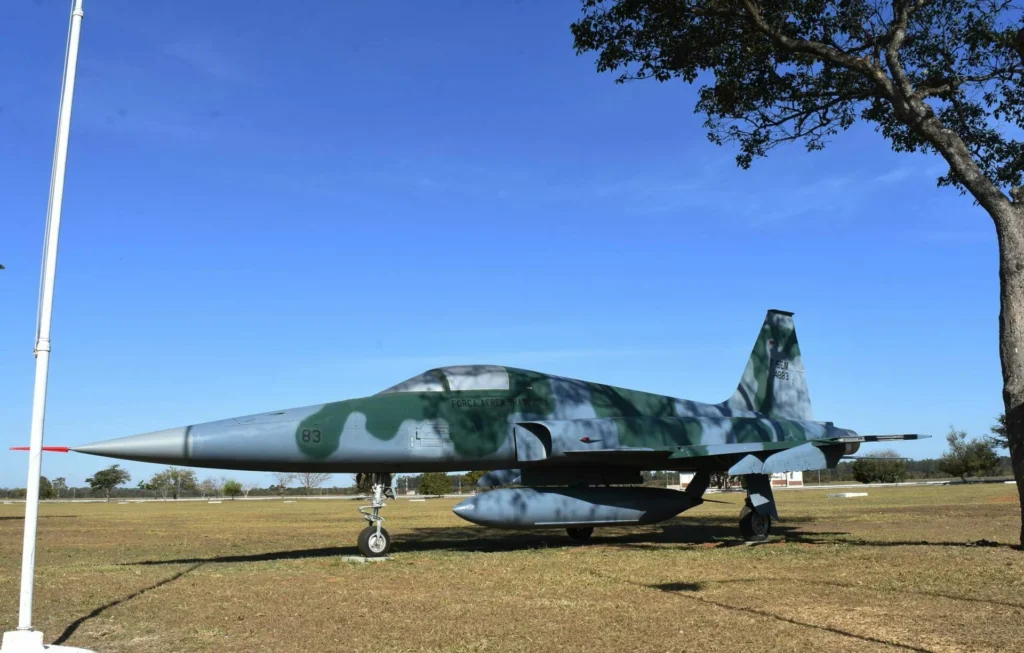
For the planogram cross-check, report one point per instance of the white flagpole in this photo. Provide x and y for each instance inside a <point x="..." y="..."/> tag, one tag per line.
<point x="25" y="639"/>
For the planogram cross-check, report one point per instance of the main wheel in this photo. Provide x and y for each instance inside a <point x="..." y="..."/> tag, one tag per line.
<point x="754" y="526"/>
<point x="580" y="533"/>
<point x="372" y="544"/>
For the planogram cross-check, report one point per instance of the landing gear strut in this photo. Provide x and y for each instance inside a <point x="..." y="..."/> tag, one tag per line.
<point x="374" y="541"/>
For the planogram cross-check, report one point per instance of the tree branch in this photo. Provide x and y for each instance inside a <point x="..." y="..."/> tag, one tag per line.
<point x="953" y="84"/>
<point x="814" y="48"/>
<point x="902" y="9"/>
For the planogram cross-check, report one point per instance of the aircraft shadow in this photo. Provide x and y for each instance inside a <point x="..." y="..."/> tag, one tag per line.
<point x="478" y="539"/>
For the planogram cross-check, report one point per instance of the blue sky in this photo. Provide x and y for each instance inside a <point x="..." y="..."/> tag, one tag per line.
<point x="270" y="206"/>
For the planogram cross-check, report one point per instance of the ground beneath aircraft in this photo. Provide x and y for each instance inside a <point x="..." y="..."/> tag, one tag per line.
<point x="891" y="571"/>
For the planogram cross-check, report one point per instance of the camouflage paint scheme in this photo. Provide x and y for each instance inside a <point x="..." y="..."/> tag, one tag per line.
<point x="495" y="418"/>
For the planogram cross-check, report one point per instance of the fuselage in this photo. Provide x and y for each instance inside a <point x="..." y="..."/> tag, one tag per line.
<point x="470" y="417"/>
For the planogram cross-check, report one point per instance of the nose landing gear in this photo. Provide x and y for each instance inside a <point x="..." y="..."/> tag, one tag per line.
<point x="374" y="541"/>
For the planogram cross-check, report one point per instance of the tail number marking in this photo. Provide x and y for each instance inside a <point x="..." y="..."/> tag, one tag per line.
<point x="782" y="370"/>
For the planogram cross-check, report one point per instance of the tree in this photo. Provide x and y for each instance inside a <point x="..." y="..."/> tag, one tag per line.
<point x="940" y="76"/>
<point x="884" y="467"/>
<point x="147" y="486"/>
<point x="107" y="479"/>
<point x="470" y="479"/>
<point x="976" y="457"/>
<point x="60" y="485"/>
<point x="284" y="479"/>
<point x="210" y="487"/>
<point x="45" y="488"/>
<point x="998" y="430"/>
<point x="312" y="480"/>
<point x="249" y="487"/>
<point x="232" y="488"/>
<point x="435" y="483"/>
<point x="723" y="481"/>
<point x="174" y="481"/>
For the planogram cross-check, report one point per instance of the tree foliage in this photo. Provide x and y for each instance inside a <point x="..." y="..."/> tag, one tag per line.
<point x="998" y="430"/>
<point x="173" y="481"/>
<point x="435" y="483"/>
<point x="882" y="467"/>
<point x="804" y="70"/>
<point x="231" y="488"/>
<point x="470" y="479"/>
<point x="974" y="457"/>
<point x="211" y="486"/>
<point x="723" y="481"/>
<point x="46" y="488"/>
<point x="60" y="486"/>
<point x="107" y="479"/>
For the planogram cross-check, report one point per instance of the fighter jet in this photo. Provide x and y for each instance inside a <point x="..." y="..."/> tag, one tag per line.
<point x="562" y="452"/>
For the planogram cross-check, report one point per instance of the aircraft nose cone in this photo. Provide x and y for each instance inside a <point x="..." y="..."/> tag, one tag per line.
<point x="168" y="446"/>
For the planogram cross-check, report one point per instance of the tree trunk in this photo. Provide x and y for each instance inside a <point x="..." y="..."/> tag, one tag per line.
<point x="1008" y="215"/>
<point x="1010" y="231"/>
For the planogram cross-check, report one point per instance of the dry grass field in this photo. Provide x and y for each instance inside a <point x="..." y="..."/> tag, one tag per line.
<point x="896" y="570"/>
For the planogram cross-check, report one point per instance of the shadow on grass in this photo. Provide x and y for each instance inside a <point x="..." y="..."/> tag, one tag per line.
<point x="478" y="539"/>
<point x="880" y="590"/>
<point x="22" y="517"/>
<point x="70" y="630"/>
<point x="678" y="589"/>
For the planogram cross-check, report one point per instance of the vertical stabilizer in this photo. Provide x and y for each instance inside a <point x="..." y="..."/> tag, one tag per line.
<point x="773" y="382"/>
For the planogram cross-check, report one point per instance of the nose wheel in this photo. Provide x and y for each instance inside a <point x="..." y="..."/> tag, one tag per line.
<point x="374" y="540"/>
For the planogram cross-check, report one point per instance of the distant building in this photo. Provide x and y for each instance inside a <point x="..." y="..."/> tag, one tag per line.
<point x="782" y="479"/>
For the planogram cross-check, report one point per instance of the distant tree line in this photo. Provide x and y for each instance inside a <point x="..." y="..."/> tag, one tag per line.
<point x="176" y="482"/>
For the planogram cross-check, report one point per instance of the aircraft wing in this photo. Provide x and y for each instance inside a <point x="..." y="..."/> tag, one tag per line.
<point x="596" y="441"/>
<point x="741" y="457"/>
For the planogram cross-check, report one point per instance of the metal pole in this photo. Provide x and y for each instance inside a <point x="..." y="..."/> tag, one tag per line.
<point x="42" y="350"/>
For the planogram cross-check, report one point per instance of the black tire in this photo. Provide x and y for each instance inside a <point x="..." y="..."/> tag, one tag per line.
<point x="753" y="526"/>
<point x="580" y="533"/>
<point x="371" y="546"/>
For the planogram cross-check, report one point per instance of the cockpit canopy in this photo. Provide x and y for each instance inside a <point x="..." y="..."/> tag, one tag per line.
<point x="455" y="379"/>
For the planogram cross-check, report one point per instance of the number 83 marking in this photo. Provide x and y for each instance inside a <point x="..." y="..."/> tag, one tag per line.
<point x="311" y="435"/>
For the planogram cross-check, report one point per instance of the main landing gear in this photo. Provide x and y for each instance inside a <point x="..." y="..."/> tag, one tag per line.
<point x="374" y="541"/>
<point x="759" y="509"/>
<point x="754" y="526"/>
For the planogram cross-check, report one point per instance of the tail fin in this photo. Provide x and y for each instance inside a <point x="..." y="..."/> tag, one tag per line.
<point x="773" y="382"/>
